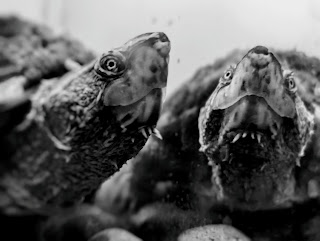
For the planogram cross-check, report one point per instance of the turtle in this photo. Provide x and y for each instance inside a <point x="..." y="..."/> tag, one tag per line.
<point x="72" y="132"/>
<point x="240" y="146"/>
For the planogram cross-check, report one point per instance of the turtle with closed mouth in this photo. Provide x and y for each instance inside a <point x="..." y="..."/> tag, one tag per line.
<point x="80" y="128"/>
<point x="240" y="143"/>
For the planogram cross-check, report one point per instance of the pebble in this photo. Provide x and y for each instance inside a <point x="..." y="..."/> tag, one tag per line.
<point x="219" y="232"/>
<point x="114" y="234"/>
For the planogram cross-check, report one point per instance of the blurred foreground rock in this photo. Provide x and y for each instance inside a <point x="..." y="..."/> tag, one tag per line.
<point x="114" y="234"/>
<point x="213" y="232"/>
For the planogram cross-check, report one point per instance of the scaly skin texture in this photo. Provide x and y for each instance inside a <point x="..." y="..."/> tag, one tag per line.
<point x="201" y="176"/>
<point x="77" y="134"/>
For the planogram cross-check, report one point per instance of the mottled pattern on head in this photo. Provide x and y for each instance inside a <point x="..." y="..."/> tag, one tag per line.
<point x="257" y="74"/>
<point x="255" y="122"/>
<point x="134" y="69"/>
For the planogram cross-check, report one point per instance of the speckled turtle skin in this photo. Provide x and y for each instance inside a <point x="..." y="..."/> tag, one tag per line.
<point x="82" y="127"/>
<point x="266" y="186"/>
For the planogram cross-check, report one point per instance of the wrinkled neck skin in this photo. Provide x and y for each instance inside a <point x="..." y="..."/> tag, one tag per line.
<point x="254" y="130"/>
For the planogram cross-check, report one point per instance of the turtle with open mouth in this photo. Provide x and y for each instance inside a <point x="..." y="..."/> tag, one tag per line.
<point x="254" y="130"/>
<point x="62" y="138"/>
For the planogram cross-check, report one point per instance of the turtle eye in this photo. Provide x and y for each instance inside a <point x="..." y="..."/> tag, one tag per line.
<point x="228" y="75"/>
<point x="291" y="84"/>
<point x="110" y="65"/>
<point x="290" y="81"/>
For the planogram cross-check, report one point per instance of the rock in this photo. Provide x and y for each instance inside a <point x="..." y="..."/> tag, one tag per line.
<point x="114" y="234"/>
<point x="219" y="232"/>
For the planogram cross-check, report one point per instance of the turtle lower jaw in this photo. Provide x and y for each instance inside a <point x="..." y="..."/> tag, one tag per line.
<point x="251" y="170"/>
<point x="143" y="112"/>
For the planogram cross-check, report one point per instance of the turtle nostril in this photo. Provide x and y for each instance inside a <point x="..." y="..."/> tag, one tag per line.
<point x="163" y="37"/>
<point x="260" y="50"/>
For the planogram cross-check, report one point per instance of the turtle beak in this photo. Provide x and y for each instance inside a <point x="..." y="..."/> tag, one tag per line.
<point x="163" y="45"/>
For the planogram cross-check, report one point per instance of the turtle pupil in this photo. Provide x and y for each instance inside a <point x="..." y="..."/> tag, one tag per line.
<point x="228" y="75"/>
<point x="111" y="64"/>
<point x="291" y="83"/>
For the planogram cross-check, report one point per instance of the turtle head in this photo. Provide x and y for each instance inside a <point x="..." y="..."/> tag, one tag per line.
<point x="126" y="85"/>
<point x="254" y="129"/>
<point x="136" y="76"/>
